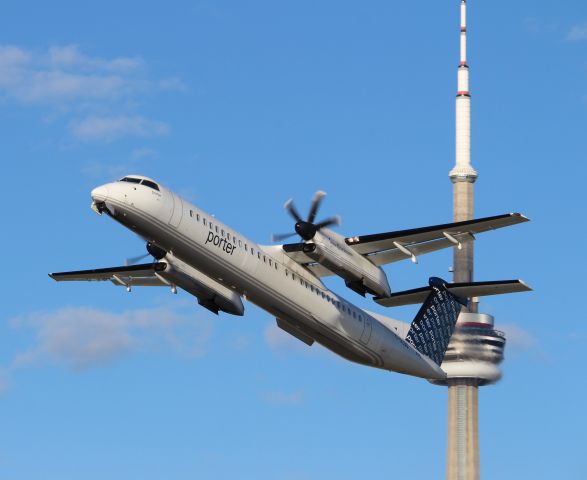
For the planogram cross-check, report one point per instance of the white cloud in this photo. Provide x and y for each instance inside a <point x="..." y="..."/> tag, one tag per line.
<point x="96" y="128"/>
<point x="46" y="86"/>
<point x="518" y="338"/>
<point x="283" y="398"/>
<point x="64" y="74"/>
<point x="82" y="337"/>
<point x="66" y="80"/>
<point x="578" y="32"/>
<point x="69" y="56"/>
<point x="13" y="57"/>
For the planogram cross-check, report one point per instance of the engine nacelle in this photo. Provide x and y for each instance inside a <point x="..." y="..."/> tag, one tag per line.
<point x="359" y="273"/>
<point x="210" y="294"/>
<point x="156" y="252"/>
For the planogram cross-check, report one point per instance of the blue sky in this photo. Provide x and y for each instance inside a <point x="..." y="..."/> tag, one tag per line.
<point x="239" y="106"/>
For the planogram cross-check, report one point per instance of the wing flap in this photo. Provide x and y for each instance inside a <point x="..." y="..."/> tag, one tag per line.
<point x="395" y="254"/>
<point x="465" y="290"/>
<point x="369" y="244"/>
<point x="139" y="275"/>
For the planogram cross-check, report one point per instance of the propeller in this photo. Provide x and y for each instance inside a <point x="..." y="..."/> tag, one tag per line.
<point x="135" y="260"/>
<point x="306" y="228"/>
<point x="156" y="252"/>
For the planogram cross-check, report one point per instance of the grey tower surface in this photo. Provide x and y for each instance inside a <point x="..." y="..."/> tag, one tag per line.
<point x="476" y="349"/>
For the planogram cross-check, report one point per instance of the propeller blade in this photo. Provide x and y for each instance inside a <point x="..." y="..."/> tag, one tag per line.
<point x="318" y="196"/>
<point x="278" y="237"/>
<point x="328" y="222"/>
<point x="133" y="260"/>
<point x="289" y="206"/>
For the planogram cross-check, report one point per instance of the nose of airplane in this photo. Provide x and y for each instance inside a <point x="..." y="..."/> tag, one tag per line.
<point x="99" y="194"/>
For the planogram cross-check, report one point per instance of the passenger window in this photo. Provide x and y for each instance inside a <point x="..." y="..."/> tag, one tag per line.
<point x="240" y="244"/>
<point x="270" y="262"/>
<point x="204" y="221"/>
<point x="293" y="277"/>
<point x="191" y="213"/>
<point x="216" y="228"/>
<point x="222" y="233"/>
<point x="258" y="255"/>
<point x="275" y="265"/>
<point x="198" y="217"/>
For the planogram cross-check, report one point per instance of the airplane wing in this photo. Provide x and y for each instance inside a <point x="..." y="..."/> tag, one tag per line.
<point x="144" y="275"/>
<point x="389" y="247"/>
<point x="382" y="248"/>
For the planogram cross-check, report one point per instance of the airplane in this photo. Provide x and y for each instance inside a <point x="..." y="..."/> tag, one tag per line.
<point x="196" y="252"/>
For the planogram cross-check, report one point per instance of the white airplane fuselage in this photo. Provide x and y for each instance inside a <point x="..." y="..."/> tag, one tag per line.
<point x="264" y="275"/>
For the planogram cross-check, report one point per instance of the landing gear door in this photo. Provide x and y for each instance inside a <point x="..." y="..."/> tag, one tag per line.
<point x="176" y="212"/>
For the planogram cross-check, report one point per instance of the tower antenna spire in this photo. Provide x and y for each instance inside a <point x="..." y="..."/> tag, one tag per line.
<point x="463" y="171"/>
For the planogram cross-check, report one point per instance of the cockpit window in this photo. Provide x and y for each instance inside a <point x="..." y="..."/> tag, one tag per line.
<point x="149" y="183"/>
<point x="130" y="180"/>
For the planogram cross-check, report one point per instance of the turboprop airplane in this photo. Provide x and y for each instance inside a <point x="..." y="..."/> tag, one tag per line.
<point x="198" y="253"/>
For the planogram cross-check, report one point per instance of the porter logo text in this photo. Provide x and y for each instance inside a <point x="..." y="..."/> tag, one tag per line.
<point x="220" y="242"/>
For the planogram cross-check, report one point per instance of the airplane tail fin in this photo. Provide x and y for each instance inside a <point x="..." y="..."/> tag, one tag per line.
<point x="435" y="322"/>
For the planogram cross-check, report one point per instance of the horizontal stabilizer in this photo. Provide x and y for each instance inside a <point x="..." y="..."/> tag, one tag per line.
<point x="465" y="290"/>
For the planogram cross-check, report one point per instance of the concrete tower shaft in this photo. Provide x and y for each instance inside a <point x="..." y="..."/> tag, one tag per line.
<point x="475" y="349"/>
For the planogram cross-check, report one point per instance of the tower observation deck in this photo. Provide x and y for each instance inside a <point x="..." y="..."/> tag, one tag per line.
<point x="476" y="348"/>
